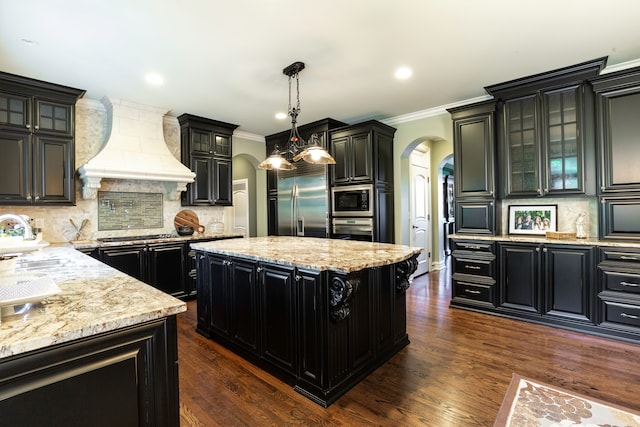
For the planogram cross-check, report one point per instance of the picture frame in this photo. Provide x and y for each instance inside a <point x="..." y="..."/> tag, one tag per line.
<point x="532" y="219"/>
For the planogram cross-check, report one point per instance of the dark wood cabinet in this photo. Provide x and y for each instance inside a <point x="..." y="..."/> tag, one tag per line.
<point x="618" y="301"/>
<point x="127" y="377"/>
<point x="617" y="104"/>
<point x="545" y="132"/>
<point x="278" y="326"/>
<point x="519" y="277"/>
<point x="474" y="273"/>
<point x="569" y="282"/>
<point x="37" y="126"/>
<point x="170" y="267"/>
<point x="553" y="280"/>
<point x="322" y="330"/>
<point x="160" y="265"/>
<point x="474" y="168"/>
<point x="363" y="154"/>
<point x="206" y="148"/>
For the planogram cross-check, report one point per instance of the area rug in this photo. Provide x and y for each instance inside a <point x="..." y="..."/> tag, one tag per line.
<point x="529" y="403"/>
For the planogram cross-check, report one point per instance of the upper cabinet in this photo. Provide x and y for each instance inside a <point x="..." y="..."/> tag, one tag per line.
<point x="363" y="154"/>
<point x="474" y="163"/>
<point x="37" y="127"/>
<point x="206" y="149"/>
<point x="545" y="132"/>
<point x="618" y="130"/>
<point x="618" y="135"/>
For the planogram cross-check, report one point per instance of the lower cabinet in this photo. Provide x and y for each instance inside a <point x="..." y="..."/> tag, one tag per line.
<point x="548" y="283"/>
<point x="321" y="330"/>
<point x="161" y="265"/>
<point x="552" y="280"/>
<point x="170" y="267"/>
<point x="127" y="377"/>
<point x="619" y="291"/>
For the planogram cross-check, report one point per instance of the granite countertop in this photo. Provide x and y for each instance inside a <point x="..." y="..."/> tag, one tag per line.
<point x="88" y="244"/>
<point x="589" y="241"/>
<point x="343" y="256"/>
<point x="95" y="298"/>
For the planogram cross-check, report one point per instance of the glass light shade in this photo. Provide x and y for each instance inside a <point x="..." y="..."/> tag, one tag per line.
<point x="315" y="155"/>
<point x="276" y="161"/>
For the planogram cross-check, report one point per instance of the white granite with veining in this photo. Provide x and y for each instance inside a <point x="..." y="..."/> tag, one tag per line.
<point x="95" y="298"/>
<point x="342" y="256"/>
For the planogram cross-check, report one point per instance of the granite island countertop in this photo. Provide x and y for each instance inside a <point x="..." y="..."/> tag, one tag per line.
<point x="343" y="256"/>
<point x="94" y="298"/>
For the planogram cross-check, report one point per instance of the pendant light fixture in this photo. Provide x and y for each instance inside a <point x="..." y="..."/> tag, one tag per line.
<point x="313" y="151"/>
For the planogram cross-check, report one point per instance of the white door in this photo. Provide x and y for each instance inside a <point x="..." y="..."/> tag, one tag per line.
<point x="419" y="206"/>
<point x="241" y="206"/>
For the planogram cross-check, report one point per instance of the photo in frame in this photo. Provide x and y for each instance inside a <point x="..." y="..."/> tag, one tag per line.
<point x="532" y="219"/>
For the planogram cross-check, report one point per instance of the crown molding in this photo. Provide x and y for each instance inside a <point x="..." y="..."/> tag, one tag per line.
<point x="248" y="135"/>
<point x="431" y="112"/>
<point x="621" y="66"/>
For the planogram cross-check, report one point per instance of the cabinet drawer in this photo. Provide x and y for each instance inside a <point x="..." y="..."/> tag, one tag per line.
<point x="479" y="267"/>
<point x="473" y="245"/>
<point x="622" y="314"/>
<point x="474" y="291"/>
<point x="621" y="281"/>
<point x="620" y="254"/>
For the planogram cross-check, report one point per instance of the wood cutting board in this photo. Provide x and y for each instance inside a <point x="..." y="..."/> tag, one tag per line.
<point x="190" y="218"/>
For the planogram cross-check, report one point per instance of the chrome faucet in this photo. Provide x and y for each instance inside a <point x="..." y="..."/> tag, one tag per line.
<point x="28" y="232"/>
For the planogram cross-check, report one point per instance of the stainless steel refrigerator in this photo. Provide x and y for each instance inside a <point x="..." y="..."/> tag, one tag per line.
<point x="303" y="201"/>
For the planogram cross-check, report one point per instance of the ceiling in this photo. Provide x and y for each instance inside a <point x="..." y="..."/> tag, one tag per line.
<point x="224" y="59"/>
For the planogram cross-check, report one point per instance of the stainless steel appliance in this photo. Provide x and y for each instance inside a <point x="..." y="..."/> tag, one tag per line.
<point x="352" y="201"/>
<point x="353" y="229"/>
<point x="303" y="201"/>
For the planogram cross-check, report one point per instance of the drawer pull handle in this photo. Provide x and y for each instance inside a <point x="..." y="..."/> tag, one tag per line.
<point x="630" y="258"/>
<point x="629" y="316"/>
<point x="631" y="285"/>
<point x="472" y="267"/>
<point x="473" y="247"/>
<point x="470" y="291"/>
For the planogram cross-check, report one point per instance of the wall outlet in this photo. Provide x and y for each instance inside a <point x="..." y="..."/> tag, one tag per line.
<point x="39" y="223"/>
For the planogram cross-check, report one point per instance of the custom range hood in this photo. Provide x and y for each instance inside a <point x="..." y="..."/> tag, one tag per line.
<point x="135" y="149"/>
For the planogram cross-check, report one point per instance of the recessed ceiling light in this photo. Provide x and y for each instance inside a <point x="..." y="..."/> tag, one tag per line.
<point x="281" y="116"/>
<point x="403" y="73"/>
<point x="154" y="79"/>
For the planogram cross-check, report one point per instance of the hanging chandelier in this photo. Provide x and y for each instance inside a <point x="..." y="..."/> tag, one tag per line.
<point x="298" y="149"/>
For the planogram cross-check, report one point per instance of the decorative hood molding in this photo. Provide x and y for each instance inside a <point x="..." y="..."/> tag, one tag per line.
<point x="135" y="149"/>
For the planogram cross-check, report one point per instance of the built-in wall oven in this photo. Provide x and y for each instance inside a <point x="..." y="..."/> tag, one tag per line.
<point x="353" y="229"/>
<point x="352" y="201"/>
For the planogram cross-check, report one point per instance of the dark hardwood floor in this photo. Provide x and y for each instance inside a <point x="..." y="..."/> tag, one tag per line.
<point x="454" y="373"/>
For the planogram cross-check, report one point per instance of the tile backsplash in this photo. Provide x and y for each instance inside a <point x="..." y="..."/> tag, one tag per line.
<point x="127" y="211"/>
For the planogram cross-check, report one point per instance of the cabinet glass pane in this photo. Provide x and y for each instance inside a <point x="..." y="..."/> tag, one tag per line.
<point x="200" y="141"/>
<point x="522" y="143"/>
<point x="53" y="117"/>
<point x="13" y="111"/>
<point x="223" y="144"/>
<point x="562" y="140"/>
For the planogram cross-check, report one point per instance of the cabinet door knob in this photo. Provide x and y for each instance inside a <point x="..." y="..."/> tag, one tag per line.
<point x="259" y="269"/>
<point x="298" y="277"/>
<point x="28" y="126"/>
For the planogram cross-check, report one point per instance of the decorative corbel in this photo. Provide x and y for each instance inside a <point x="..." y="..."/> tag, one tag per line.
<point x="341" y="292"/>
<point x="404" y="269"/>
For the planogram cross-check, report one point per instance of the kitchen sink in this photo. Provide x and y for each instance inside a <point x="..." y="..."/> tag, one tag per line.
<point x="40" y="263"/>
<point x="21" y="289"/>
<point x="133" y="238"/>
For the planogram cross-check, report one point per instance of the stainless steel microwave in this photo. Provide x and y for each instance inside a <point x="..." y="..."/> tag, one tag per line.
<point x="352" y="200"/>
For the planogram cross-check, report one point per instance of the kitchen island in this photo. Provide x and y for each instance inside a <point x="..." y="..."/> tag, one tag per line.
<point x="102" y="352"/>
<point x="321" y="314"/>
